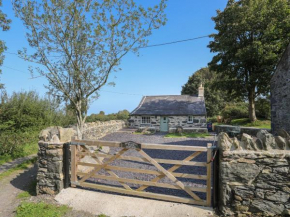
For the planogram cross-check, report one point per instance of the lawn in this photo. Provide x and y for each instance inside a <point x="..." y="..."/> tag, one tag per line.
<point x="245" y="122"/>
<point x="186" y="135"/>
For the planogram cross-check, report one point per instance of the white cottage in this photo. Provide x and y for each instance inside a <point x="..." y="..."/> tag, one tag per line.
<point x="165" y="113"/>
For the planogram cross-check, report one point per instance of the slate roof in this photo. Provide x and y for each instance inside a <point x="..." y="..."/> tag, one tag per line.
<point x="171" y="105"/>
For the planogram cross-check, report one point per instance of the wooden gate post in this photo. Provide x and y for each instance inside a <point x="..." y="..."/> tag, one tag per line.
<point x="208" y="173"/>
<point x="73" y="164"/>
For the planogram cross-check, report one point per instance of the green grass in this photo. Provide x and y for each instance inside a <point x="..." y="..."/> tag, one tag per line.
<point x="138" y="133"/>
<point x="31" y="191"/>
<point x="28" y="149"/>
<point x="187" y="135"/>
<point x="5" y="158"/>
<point x="29" y="209"/>
<point x="245" y="122"/>
<point x="21" y="166"/>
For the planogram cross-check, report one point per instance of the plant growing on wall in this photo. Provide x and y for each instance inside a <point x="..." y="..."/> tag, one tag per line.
<point x="79" y="43"/>
<point x="251" y="37"/>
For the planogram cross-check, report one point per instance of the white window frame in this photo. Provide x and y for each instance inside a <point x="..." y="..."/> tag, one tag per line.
<point x="146" y="120"/>
<point x="190" y="119"/>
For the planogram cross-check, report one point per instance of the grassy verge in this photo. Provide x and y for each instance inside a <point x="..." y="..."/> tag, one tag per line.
<point x="28" y="149"/>
<point x="245" y="122"/>
<point x="21" y="166"/>
<point x="30" y="209"/>
<point x="186" y="135"/>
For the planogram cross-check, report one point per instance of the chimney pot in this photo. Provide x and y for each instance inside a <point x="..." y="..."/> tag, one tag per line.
<point x="201" y="91"/>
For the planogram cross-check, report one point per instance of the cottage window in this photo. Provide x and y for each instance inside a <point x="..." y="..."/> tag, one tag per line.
<point x="146" y="120"/>
<point x="190" y="119"/>
<point x="196" y="121"/>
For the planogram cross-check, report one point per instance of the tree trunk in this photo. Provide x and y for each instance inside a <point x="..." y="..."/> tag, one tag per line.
<point x="80" y="119"/>
<point x="252" y="109"/>
<point x="80" y="128"/>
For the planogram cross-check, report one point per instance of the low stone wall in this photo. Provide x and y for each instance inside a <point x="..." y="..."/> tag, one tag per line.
<point x="96" y="130"/>
<point x="254" y="175"/>
<point x="248" y="130"/>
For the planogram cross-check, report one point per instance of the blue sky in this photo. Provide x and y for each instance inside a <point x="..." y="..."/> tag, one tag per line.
<point x="157" y="71"/>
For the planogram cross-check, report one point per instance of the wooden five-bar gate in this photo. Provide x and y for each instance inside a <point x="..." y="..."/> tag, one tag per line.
<point x="80" y="149"/>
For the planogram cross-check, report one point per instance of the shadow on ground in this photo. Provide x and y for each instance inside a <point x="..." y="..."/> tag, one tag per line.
<point x="26" y="180"/>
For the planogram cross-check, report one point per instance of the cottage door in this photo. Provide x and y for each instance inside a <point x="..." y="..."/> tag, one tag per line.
<point x="163" y="124"/>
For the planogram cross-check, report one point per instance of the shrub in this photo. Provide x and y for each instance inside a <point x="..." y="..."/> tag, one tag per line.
<point x="212" y="119"/>
<point x="235" y="110"/>
<point x="263" y="108"/>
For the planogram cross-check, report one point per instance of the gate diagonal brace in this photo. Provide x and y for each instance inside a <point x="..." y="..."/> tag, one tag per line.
<point x="103" y="165"/>
<point x="172" y="169"/>
<point x="108" y="170"/>
<point x="170" y="176"/>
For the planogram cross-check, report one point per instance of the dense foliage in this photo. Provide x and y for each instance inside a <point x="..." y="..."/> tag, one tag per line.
<point x="263" y="108"/>
<point x="251" y="37"/>
<point x="234" y="110"/>
<point x="121" y="115"/>
<point x="22" y="116"/>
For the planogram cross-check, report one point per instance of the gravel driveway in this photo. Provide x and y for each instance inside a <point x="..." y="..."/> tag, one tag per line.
<point x="163" y="154"/>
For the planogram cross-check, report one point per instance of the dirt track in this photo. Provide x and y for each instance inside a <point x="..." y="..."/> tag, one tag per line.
<point x="11" y="186"/>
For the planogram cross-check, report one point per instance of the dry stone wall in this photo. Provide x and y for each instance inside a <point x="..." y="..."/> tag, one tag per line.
<point x="248" y="130"/>
<point x="254" y="176"/>
<point x="50" y="174"/>
<point x="96" y="130"/>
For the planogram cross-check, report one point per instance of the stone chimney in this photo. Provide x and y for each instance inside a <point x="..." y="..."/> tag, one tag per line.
<point x="201" y="91"/>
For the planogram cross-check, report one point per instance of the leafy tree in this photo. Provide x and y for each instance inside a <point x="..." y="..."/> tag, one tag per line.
<point x="80" y="43"/>
<point x="252" y="34"/>
<point x="4" y="26"/>
<point x="215" y="99"/>
<point x="123" y="115"/>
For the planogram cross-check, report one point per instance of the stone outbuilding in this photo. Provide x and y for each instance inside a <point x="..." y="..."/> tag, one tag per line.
<point x="280" y="95"/>
<point x="165" y="113"/>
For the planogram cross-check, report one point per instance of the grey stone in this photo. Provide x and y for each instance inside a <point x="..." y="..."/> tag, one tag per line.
<point x="281" y="142"/>
<point x="266" y="207"/>
<point x="225" y="142"/>
<point x="54" y="167"/>
<point x="278" y="196"/>
<point x="248" y="142"/>
<point x="260" y="193"/>
<point x="55" y="139"/>
<point x="241" y="172"/>
<point x="244" y="192"/>
<point x="267" y="138"/>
